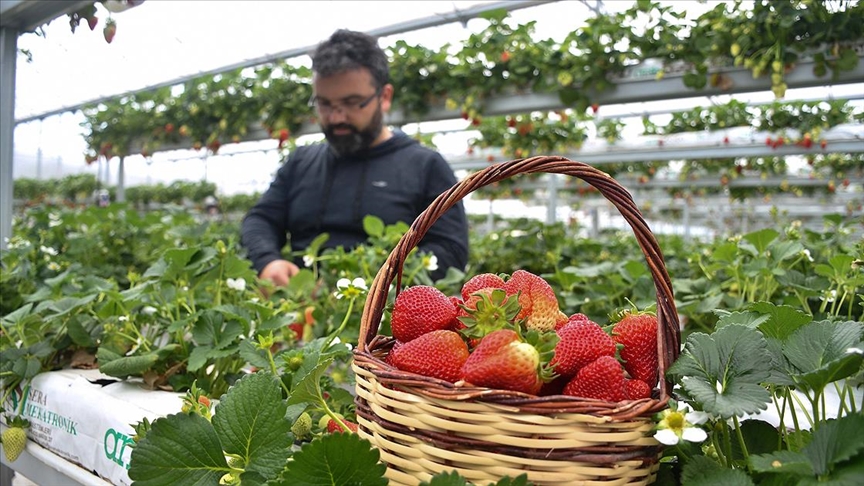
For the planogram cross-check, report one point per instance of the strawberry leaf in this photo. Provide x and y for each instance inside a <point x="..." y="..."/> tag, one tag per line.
<point x="453" y="478"/>
<point x="834" y="452"/>
<point x="702" y="471"/>
<point x="782" y="321"/>
<point x="334" y="460"/>
<point x="250" y="423"/>
<point x="724" y="371"/>
<point x="823" y="352"/>
<point x="179" y="449"/>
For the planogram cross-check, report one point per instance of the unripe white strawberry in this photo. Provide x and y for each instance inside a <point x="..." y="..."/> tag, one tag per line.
<point x="14" y="441"/>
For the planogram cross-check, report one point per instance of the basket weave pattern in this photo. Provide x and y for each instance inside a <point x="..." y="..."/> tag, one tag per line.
<point x="423" y="425"/>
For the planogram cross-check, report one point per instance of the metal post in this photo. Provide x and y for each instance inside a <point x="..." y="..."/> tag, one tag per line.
<point x="8" y="55"/>
<point x="121" y="184"/>
<point x="552" y="202"/>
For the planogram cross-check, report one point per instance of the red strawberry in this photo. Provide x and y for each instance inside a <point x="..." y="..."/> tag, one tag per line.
<point x="109" y="30"/>
<point x="637" y="333"/>
<point x="578" y="317"/>
<point x="437" y="354"/>
<point x="420" y="309"/>
<point x="580" y="343"/>
<point x="487" y="310"/>
<point x="92" y="21"/>
<point x="636" y="389"/>
<point x="504" y="361"/>
<point x="333" y="426"/>
<point x="538" y="301"/>
<point x="602" y="379"/>
<point x="481" y="281"/>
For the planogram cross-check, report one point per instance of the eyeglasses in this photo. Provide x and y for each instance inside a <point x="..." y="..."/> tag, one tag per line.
<point x="348" y="105"/>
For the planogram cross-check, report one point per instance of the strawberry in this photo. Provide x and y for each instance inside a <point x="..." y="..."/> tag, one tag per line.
<point x="636" y="332"/>
<point x="302" y="426"/>
<point x="420" y="309"/>
<point x="538" y="301"/>
<point x="602" y="379"/>
<point x="504" y="360"/>
<point x="92" y="22"/>
<point x="636" y="389"/>
<point x="437" y="354"/>
<point x="578" y="317"/>
<point x="14" y="438"/>
<point x="333" y="426"/>
<point x="109" y="30"/>
<point x="580" y="343"/>
<point x="481" y="281"/>
<point x="487" y="310"/>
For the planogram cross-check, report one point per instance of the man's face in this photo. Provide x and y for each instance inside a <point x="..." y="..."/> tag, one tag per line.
<point x="351" y="110"/>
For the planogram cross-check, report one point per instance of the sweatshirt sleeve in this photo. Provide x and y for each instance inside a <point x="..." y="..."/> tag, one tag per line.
<point x="448" y="237"/>
<point x="263" y="232"/>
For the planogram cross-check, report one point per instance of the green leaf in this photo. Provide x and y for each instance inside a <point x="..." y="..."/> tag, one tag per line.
<point x="450" y="478"/>
<point x="250" y="423"/>
<point x="113" y="364"/>
<point x="784" y="250"/>
<point x="702" y="471"/>
<point x="823" y="352"/>
<point x="373" y="226"/>
<point x="782" y="462"/>
<point x="761" y="239"/>
<point x="211" y="329"/>
<point x="783" y="319"/>
<point x="724" y="371"/>
<point x="835" y="441"/>
<point x="750" y="320"/>
<point x="308" y="386"/>
<point x="335" y="460"/>
<point x="178" y="449"/>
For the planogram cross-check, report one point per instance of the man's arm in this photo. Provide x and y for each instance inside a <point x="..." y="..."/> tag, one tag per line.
<point x="448" y="237"/>
<point x="263" y="232"/>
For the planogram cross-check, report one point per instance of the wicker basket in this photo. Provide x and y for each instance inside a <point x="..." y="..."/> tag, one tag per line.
<point x="423" y="426"/>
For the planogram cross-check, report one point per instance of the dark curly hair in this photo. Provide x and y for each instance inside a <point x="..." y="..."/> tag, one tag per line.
<point x="346" y="50"/>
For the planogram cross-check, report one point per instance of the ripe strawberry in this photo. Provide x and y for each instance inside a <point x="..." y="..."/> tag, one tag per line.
<point x="487" y="310"/>
<point x="437" y="354"/>
<point x="14" y="438"/>
<point x="420" y="309"/>
<point x="333" y="426"/>
<point x="92" y="21"/>
<point x="481" y="281"/>
<point x="538" y="301"/>
<point x="602" y="379"/>
<point x="637" y="333"/>
<point x="505" y="361"/>
<point x="578" y="317"/>
<point x="636" y="389"/>
<point x="109" y="30"/>
<point x="580" y="343"/>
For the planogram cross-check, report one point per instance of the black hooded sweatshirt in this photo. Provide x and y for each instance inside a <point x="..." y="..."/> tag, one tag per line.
<point x="316" y="191"/>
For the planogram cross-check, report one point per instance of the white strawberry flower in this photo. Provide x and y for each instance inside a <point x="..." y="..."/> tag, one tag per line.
<point x="48" y="250"/>
<point x="350" y="288"/>
<point x="54" y="266"/>
<point x="430" y="262"/>
<point x="806" y="254"/>
<point x="148" y="310"/>
<point x="236" y="284"/>
<point x="679" y="421"/>
<point x="308" y="260"/>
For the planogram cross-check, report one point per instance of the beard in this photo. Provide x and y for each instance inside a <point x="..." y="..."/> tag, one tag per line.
<point x="358" y="140"/>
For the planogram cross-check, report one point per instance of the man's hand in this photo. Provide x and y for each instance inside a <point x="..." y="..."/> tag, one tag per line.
<point x="279" y="272"/>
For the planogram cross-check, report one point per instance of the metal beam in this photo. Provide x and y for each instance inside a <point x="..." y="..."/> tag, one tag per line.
<point x="679" y="153"/>
<point x="395" y="29"/>
<point x="27" y="15"/>
<point x="8" y="57"/>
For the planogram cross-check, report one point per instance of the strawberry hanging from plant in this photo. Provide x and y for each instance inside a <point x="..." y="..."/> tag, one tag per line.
<point x="109" y="30"/>
<point x="14" y="438"/>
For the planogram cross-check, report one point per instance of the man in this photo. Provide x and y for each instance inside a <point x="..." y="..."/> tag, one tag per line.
<point x="363" y="168"/>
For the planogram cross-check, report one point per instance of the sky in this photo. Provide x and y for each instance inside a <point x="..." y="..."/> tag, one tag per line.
<point x="165" y="39"/>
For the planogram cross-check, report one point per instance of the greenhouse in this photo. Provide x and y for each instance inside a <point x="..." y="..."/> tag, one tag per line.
<point x="627" y="246"/>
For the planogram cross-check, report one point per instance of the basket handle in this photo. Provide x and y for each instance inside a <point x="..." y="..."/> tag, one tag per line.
<point x="668" y="331"/>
